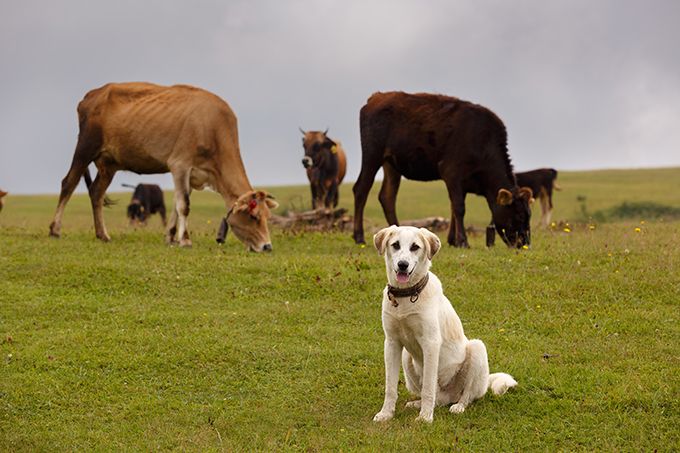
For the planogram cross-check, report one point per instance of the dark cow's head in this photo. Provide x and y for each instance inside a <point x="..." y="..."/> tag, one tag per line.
<point x="315" y="144"/>
<point x="511" y="215"/>
<point x="136" y="212"/>
<point x="248" y="218"/>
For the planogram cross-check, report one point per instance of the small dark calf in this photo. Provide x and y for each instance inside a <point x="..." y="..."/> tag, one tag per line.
<point x="146" y="200"/>
<point x="541" y="182"/>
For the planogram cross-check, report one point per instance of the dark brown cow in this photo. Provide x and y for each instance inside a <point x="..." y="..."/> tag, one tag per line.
<point x="427" y="137"/>
<point x="326" y="165"/>
<point x="187" y="131"/>
<point x="2" y="195"/>
<point x="541" y="182"/>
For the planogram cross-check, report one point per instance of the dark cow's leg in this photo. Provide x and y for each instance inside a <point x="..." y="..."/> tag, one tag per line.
<point x="546" y="207"/>
<point x="361" y="189"/>
<point x="331" y="195"/>
<point x="388" y="193"/>
<point x="336" y="196"/>
<point x="161" y="211"/>
<point x="313" y="189"/>
<point x="457" y="236"/>
<point x="97" y="192"/>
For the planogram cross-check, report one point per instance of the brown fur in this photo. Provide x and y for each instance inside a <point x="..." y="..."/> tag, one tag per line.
<point x="328" y="168"/>
<point x="427" y="137"/>
<point x="149" y="128"/>
<point x="2" y="195"/>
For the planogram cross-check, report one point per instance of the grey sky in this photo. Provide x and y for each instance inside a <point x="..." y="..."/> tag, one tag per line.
<point x="579" y="84"/>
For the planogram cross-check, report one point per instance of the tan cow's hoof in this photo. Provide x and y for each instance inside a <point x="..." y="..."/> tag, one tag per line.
<point x="185" y="243"/>
<point x="54" y="231"/>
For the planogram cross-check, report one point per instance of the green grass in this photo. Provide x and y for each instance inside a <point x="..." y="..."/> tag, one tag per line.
<point x="133" y="345"/>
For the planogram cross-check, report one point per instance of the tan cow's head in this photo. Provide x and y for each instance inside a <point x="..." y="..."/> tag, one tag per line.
<point x="248" y="218"/>
<point x="2" y="194"/>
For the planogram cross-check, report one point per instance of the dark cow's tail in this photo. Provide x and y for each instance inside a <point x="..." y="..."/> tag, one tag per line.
<point x="108" y="202"/>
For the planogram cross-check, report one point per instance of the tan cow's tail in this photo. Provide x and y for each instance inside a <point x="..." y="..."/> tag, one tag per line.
<point x="108" y="202"/>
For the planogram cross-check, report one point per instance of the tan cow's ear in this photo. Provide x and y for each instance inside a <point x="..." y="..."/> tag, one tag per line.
<point x="381" y="237"/>
<point x="504" y="197"/>
<point x="242" y="205"/>
<point x="2" y="193"/>
<point x="527" y="194"/>
<point x="432" y="241"/>
<point x="271" y="203"/>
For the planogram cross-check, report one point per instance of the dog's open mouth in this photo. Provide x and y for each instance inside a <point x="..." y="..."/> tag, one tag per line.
<point x="403" y="276"/>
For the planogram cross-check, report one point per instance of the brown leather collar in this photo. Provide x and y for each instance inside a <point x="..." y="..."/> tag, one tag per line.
<point x="412" y="292"/>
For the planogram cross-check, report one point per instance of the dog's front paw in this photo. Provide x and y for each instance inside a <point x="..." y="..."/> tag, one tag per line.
<point x="383" y="416"/>
<point x="413" y="404"/>
<point x="457" y="408"/>
<point x="425" y="417"/>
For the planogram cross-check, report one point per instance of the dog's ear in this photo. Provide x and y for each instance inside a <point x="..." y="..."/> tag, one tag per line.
<point x="432" y="241"/>
<point x="380" y="238"/>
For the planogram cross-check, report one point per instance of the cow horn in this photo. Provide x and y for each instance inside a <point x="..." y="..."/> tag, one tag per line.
<point x="303" y="132"/>
<point x="325" y="132"/>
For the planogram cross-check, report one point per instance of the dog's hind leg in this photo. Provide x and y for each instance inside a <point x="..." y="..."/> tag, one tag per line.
<point x="473" y="376"/>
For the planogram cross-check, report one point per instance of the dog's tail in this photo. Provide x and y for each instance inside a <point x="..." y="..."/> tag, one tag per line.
<point x="499" y="383"/>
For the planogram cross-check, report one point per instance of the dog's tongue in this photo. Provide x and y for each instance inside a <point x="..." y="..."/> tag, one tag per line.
<point x="402" y="277"/>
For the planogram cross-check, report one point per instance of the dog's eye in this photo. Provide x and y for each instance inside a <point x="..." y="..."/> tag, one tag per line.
<point x="414" y="247"/>
<point x="396" y="246"/>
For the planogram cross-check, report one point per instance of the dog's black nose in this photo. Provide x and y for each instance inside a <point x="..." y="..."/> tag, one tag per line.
<point x="402" y="265"/>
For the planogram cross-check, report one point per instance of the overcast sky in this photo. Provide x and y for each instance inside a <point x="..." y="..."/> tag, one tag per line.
<point x="580" y="84"/>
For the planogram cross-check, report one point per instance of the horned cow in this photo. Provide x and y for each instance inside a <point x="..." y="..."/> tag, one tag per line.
<point x="187" y="131"/>
<point x="326" y="164"/>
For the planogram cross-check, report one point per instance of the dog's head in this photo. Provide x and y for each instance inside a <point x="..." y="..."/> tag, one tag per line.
<point x="408" y="253"/>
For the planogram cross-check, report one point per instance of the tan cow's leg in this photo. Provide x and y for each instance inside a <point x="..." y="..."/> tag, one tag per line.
<point x="99" y="186"/>
<point x="182" y="190"/>
<point x="68" y="185"/>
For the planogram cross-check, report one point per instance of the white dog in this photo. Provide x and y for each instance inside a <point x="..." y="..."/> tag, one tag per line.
<point x="423" y="331"/>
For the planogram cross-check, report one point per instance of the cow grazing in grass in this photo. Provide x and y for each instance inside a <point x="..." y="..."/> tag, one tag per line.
<point x="187" y="131"/>
<point x="541" y="182"/>
<point x="2" y="195"/>
<point x="147" y="199"/>
<point x="326" y="165"/>
<point x="427" y="137"/>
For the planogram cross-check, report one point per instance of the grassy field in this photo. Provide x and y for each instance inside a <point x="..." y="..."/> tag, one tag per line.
<point x="134" y="345"/>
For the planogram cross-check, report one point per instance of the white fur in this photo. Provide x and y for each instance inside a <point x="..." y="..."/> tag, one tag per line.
<point x="426" y="337"/>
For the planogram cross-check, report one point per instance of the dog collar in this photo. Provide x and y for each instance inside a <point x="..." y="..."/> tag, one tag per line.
<point x="412" y="293"/>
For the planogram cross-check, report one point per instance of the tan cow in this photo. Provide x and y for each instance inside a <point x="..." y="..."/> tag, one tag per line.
<point x="187" y="131"/>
